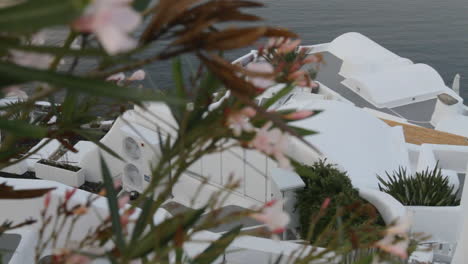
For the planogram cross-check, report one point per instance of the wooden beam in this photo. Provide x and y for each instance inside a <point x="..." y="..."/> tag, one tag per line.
<point x="421" y="135"/>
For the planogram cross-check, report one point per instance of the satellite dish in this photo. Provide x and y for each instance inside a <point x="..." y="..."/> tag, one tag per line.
<point x="456" y="84"/>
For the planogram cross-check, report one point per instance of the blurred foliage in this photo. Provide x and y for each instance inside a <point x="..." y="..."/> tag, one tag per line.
<point x="176" y="28"/>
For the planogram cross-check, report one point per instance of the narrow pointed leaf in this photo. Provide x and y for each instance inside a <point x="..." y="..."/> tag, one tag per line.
<point x="30" y="16"/>
<point x="111" y="195"/>
<point x="22" y="128"/>
<point x="140" y="5"/>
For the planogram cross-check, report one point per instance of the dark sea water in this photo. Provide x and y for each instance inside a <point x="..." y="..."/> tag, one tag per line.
<point x="434" y="32"/>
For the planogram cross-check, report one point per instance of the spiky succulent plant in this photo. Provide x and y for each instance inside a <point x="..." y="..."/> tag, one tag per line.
<point x="426" y="188"/>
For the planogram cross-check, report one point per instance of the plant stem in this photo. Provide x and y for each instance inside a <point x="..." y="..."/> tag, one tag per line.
<point x="68" y="41"/>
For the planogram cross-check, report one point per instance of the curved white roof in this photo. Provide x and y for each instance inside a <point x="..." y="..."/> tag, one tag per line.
<point x="382" y="77"/>
<point x="354" y="45"/>
<point x="355" y="140"/>
<point x="398" y="86"/>
<point x="361" y="54"/>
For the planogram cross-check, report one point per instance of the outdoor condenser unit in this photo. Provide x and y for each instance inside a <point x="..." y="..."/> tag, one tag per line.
<point x="140" y="149"/>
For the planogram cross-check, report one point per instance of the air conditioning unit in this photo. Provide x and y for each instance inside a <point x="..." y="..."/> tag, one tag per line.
<point x="141" y="151"/>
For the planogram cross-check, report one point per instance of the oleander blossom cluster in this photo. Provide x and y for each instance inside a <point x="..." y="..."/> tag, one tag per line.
<point x="283" y="65"/>
<point x="70" y="210"/>
<point x="121" y="79"/>
<point x="239" y="121"/>
<point x="111" y="21"/>
<point x="273" y="216"/>
<point x="268" y="139"/>
<point x="264" y="140"/>
<point x="396" y="239"/>
<point x="273" y="142"/>
<point x="284" y="61"/>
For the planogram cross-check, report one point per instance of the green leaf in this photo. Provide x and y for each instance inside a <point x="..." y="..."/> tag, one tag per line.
<point x="164" y="232"/>
<point x="178" y="77"/>
<point x="218" y="247"/>
<point x="32" y="15"/>
<point x="208" y="85"/>
<point x="365" y="260"/>
<point x="140" y="224"/>
<point x="284" y="91"/>
<point x="111" y="195"/>
<point x="141" y="5"/>
<point x="302" y="131"/>
<point x="90" y="86"/>
<point x="22" y="128"/>
<point x="179" y="90"/>
<point x="69" y="105"/>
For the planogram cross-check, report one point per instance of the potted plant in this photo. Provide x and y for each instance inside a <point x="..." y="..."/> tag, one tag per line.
<point x="430" y="198"/>
<point x="59" y="171"/>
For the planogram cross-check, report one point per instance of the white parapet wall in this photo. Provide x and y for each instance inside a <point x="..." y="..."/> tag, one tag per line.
<point x="442" y="223"/>
<point x="461" y="251"/>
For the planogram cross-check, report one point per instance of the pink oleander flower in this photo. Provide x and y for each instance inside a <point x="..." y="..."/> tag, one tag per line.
<point x="118" y="183"/>
<point x="396" y="240"/>
<point x="287" y="61"/>
<point x="261" y="67"/>
<point x="314" y="58"/>
<point x="125" y="214"/>
<point x="279" y="148"/>
<point x="69" y="194"/>
<point x="302" y="78"/>
<point x="124" y="220"/>
<point x="112" y="21"/>
<point x="325" y="203"/>
<point x="262" y="140"/>
<point x="239" y="121"/>
<point x="297" y="75"/>
<point x="273" y="216"/>
<point x="288" y="46"/>
<point x="125" y="217"/>
<point x="275" y="42"/>
<point x="47" y="200"/>
<point x="138" y="75"/>
<point x="31" y="59"/>
<point x="283" y="45"/>
<point x="272" y="142"/>
<point x="123" y="201"/>
<point x="298" y="115"/>
<point x="118" y="77"/>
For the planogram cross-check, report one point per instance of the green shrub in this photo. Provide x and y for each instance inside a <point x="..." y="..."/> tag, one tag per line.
<point x="324" y="181"/>
<point x="427" y="188"/>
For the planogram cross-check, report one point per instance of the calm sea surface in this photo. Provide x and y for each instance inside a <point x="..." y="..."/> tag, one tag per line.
<point x="434" y="32"/>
